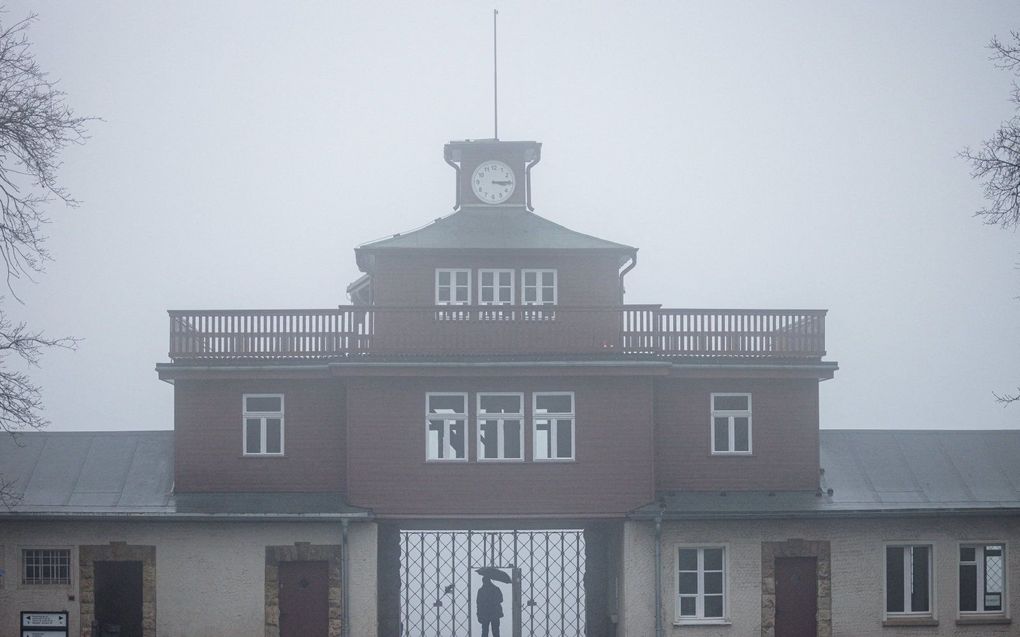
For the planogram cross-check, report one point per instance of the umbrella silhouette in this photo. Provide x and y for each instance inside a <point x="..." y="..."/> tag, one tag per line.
<point x="494" y="573"/>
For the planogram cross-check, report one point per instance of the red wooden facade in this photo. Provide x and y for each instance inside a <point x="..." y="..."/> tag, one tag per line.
<point x="354" y="381"/>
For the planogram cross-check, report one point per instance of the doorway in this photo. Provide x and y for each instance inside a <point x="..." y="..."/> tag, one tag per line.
<point x="304" y="599"/>
<point x="796" y="596"/>
<point x="118" y="589"/>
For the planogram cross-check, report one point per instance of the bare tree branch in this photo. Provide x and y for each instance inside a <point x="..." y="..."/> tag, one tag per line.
<point x="996" y="163"/>
<point x="36" y="124"/>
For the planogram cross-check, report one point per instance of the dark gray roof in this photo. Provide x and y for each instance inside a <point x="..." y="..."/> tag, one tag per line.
<point x="882" y="472"/>
<point x="490" y="228"/>
<point x="130" y="474"/>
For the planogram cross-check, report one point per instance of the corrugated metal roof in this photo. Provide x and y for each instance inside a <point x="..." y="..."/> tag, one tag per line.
<point x="882" y="472"/>
<point x="485" y="228"/>
<point x="128" y="473"/>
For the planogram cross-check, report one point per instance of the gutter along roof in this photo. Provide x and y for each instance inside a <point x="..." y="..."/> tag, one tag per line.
<point x="880" y="473"/>
<point x="129" y="474"/>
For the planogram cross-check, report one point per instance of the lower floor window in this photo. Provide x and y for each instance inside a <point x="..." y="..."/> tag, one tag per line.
<point x="46" y="566"/>
<point x="908" y="579"/>
<point x="982" y="578"/>
<point x="700" y="577"/>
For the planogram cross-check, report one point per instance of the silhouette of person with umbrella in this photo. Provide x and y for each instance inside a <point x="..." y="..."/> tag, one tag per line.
<point x="489" y="600"/>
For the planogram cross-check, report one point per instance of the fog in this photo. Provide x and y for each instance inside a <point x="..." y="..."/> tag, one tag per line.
<point x="760" y="155"/>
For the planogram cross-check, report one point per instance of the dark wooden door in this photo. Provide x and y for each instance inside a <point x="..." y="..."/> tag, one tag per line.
<point x="304" y="599"/>
<point x="796" y="596"/>
<point x="118" y="587"/>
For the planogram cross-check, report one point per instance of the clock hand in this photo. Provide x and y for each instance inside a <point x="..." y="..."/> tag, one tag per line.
<point x="501" y="183"/>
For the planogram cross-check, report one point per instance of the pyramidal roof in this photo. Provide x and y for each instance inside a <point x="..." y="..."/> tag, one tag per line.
<point x="494" y="228"/>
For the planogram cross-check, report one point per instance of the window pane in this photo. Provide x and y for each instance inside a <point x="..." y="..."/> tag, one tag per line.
<point x="487" y="279"/>
<point x="512" y="439"/>
<point x="688" y="606"/>
<point x="741" y="435"/>
<point x="253" y="436"/>
<point x="554" y="404"/>
<point x="457" y="439"/>
<point x="968" y="587"/>
<point x="490" y="404"/>
<point x="713" y="582"/>
<point x="543" y="439"/>
<point x="564" y="444"/>
<point x="262" y="403"/>
<point x="444" y="295"/>
<point x="688" y="559"/>
<point x="488" y="439"/>
<point x="713" y="605"/>
<point x="967" y="553"/>
<point x="529" y="295"/>
<point x="446" y="404"/>
<point x="730" y="403"/>
<point x="894" y="579"/>
<point x="461" y="277"/>
<point x="434" y="444"/>
<point x="529" y="278"/>
<point x="506" y="278"/>
<point x="549" y="279"/>
<point x="713" y="559"/>
<point x="486" y="295"/>
<point x="688" y="583"/>
<point x="548" y="295"/>
<point x="461" y="295"/>
<point x="504" y="295"/>
<point x="919" y="594"/>
<point x="444" y="277"/>
<point x="993" y="578"/>
<point x="274" y="435"/>
<point x="721" y="435"/>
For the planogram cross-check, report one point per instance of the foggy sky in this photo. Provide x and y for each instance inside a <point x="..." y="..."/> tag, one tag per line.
<point x="760" y="155"/>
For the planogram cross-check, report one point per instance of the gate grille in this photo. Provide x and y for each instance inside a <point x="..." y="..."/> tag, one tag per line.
<point x="435" y="580"/>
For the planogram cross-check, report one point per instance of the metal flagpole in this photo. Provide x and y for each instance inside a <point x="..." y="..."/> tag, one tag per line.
<point x="495" y="85"/>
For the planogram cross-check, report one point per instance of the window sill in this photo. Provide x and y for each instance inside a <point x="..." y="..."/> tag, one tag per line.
<point x="733" y="453"/>
<point x="263" y="455"/>
<point x="552" y="460"/>
<point x="702" y="622"/>
<point x="500" y="461"/>
<point x="910" y="621"/>
<point x="983" y="620"/>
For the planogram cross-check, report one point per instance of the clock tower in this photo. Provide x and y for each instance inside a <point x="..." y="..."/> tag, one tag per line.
<point x="492" y="173"/>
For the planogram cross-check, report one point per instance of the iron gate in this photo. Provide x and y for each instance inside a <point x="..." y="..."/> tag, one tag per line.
<point x="435" y="580"/>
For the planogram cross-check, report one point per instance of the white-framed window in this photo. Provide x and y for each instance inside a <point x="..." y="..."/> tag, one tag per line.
<point x="983" y="578"/>
<point x="731" y="423"/>
<point x="262" y="422"/>
<point x="446" y="426"/>
<point x="45" y="566"/>
<point x="538" y="287"/>
<point x="500" y="426"/>
<point x="495" y="287"/>
<point x="909" y="587"/>
<point x="553" y="422"/>
<point x="701" y="584"/>
<point x="453" y="286"/>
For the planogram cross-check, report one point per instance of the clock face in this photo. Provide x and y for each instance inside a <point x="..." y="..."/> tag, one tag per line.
<point x="493" y="181"/>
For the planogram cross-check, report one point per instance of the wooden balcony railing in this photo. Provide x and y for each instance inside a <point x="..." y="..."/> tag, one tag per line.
<point x="634" y="330"/>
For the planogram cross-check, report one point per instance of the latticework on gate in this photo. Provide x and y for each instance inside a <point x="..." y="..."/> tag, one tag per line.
<point x="436" y="573"/>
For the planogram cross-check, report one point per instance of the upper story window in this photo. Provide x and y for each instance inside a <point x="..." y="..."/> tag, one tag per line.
<point x="453" y="287"/>
<point x="553" y="419"/>
<point x="500" y="426"/>
<point x="446" y="426"/>
<point x="982" y="578"/>
<point x="908" y="582"/>
<point x="46" y="566"/>
<point x="263" y="424"/>
<point x="495" y="287"/>
<point x="701" y="573"/>
<point x="731" y="423"/>
<point x="538" y="287"/>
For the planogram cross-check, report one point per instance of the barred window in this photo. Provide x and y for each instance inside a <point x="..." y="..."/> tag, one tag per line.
<point x="46" y="566"/>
